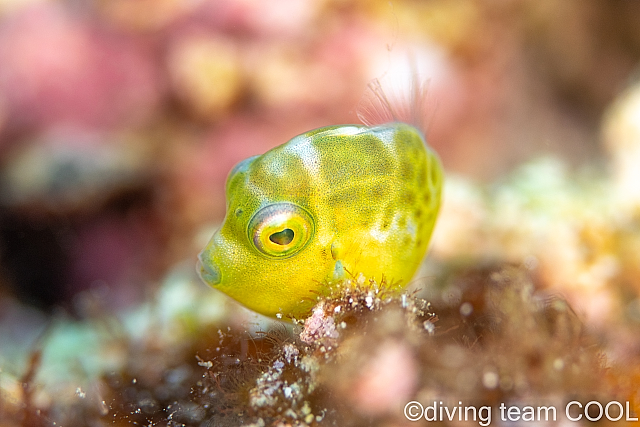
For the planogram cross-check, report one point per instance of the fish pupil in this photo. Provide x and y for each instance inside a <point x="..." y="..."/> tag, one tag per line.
<point x="283" y="237"/>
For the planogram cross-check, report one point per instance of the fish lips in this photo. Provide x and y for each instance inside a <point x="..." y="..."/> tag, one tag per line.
<point x="208" y="271"/>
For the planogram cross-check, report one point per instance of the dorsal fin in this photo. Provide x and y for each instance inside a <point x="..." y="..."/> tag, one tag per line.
<point x="386" y="100"/>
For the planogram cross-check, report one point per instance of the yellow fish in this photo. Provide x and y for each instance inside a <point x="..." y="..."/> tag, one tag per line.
<point x="330" y="203"/>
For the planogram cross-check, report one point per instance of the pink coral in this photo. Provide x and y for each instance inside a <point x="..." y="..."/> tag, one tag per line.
<point x="57" y="69"/>
<point x="387" y="380"/>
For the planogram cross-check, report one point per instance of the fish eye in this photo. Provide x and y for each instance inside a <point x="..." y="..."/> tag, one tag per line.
<point x="281" y="230"/>
<point x="283" y="237"/>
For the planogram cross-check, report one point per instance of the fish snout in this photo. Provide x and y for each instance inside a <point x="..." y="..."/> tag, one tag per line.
<point x="208" y="271"/>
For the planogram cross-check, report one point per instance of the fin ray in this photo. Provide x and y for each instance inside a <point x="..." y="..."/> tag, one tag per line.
<point x="383" y="103"/>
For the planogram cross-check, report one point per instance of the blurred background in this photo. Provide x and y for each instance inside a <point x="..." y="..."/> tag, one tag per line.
<point x="119" y="119"/>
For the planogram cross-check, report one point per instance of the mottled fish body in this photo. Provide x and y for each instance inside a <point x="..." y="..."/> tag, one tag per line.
<point x="331" y="202"/>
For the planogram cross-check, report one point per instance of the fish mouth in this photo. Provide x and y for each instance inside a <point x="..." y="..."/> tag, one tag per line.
<point x="208" y="271"/>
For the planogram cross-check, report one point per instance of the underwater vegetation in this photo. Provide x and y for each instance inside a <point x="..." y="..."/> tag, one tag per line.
<point x="357" y="360"/>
